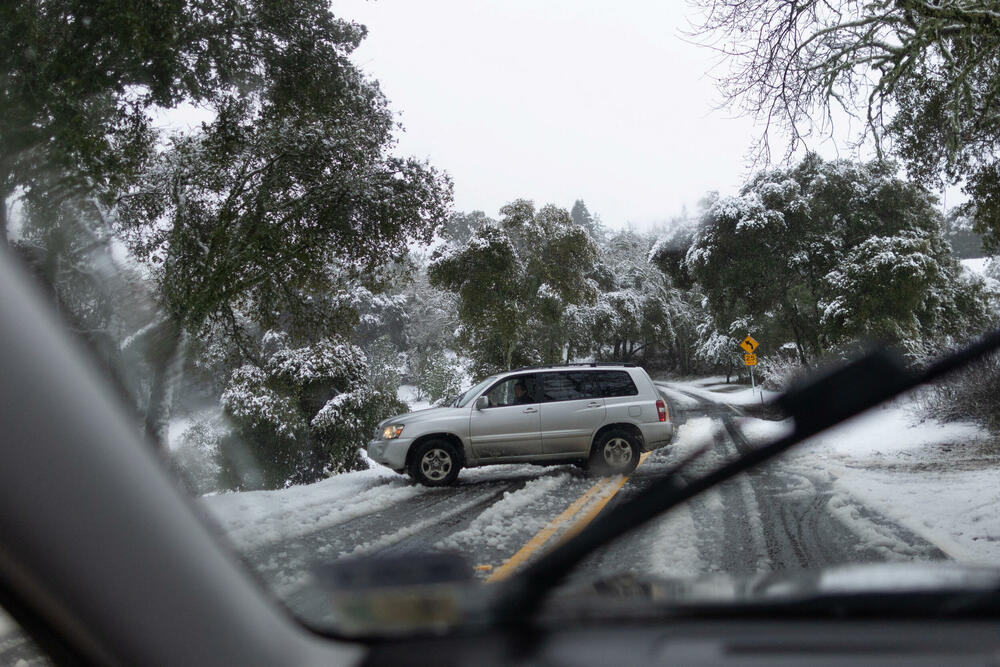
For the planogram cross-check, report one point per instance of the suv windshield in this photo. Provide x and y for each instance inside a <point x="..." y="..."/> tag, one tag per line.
<point x="464" y="399"/>
<point x="281" y="236"/>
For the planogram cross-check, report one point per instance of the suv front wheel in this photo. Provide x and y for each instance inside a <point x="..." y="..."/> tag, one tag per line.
<point x="615" y="452"/>
<point x="435" y="463"/>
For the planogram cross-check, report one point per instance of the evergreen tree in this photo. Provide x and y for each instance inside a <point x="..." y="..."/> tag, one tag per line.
<point x="581" y="217"/>
<point x="826" y="254"/>
<point x="515" y="280"/>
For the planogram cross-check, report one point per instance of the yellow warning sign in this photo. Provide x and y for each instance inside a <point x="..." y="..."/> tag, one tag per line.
<point x="750" y="359"/>
<point x="749" y="344"/>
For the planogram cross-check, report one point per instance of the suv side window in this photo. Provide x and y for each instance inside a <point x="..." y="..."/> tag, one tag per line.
<point x="616" y="383"/>
<point x="569" y="386"/>
<point x="516" y="390"/>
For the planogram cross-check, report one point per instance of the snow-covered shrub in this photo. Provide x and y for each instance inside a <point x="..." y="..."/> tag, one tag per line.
<point x="781" y="369"/>
<point x="302" y="415"/>
<point x="971" y="394"/>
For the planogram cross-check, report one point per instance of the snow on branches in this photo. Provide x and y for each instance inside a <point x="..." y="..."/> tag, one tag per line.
<point x="307" y="410"/>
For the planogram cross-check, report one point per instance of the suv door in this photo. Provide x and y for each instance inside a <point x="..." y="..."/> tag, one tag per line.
<point x="510" y="426"/>
<point x="623" y="399"/>
<point x="572" y="410"/>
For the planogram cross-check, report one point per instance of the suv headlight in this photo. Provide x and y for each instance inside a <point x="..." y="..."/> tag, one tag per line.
<point x="392" y="431"/>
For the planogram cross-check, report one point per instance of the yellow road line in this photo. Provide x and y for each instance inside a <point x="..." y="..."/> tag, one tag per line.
<point x="543" y="536"/>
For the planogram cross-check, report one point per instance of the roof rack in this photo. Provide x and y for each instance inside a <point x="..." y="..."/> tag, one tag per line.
<point x="584" y="364"/>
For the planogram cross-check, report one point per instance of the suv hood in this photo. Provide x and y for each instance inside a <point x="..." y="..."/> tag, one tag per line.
<point x="419" y="416"/>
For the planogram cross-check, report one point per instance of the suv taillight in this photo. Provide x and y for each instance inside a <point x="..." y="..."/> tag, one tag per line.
<point x="661" y="409"/>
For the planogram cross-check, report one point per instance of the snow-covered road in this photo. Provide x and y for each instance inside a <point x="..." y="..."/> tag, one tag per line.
<point x="795" y="513"/>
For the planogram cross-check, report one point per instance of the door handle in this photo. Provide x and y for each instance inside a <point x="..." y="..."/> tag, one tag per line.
<point x="594" y="404"/>
<point x="530" y="410"/>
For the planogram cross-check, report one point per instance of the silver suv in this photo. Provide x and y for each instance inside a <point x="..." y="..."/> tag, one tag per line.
<point x="601" y="416"/>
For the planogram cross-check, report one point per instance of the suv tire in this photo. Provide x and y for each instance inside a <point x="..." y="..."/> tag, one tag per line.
<point x="615" y="452"/>
<point x="435" y="463"/>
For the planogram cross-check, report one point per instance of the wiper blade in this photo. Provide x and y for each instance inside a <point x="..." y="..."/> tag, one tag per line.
<point x="814" y="406"/>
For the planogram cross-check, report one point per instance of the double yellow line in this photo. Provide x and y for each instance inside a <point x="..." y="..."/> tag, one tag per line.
<point x="580" y="512"/>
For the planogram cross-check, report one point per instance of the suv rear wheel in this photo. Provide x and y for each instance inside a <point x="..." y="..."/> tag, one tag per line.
<point x="435" y="463"/>
<point x="615" y="452"/>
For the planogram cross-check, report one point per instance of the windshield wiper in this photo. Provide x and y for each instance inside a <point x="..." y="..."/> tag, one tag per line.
<point x="815" y="406"/>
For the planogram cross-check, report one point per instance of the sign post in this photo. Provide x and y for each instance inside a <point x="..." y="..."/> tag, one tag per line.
<point x="750" y="359"/>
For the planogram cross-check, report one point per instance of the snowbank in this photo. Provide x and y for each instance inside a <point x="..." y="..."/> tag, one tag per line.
<point x="253" y="519"/>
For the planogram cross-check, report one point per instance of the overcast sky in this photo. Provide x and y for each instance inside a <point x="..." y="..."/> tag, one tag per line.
<point x="555" y="101"/>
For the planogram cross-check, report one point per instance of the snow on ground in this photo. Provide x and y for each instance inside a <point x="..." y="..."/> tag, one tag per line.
<point x="679" y="533"/>
<point x="941" y="481"/>
<point x="675" y="534"/>
<point x="408" y="394"/>
<point x="976" y="265"/>
<point x="508" y="519"/>
<point x="693" y="436"/>
<point x="761" y="431"/>
<point x="252" y="519"/>
<point x="716" y="389"/>
<point x="683" y="401"/>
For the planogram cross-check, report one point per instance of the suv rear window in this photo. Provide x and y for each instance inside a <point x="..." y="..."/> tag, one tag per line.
<point x="615" y="383"/>
<point x="577" y="385"/>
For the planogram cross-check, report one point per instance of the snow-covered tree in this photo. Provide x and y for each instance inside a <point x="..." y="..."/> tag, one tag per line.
<point x="436" y="373"/>
<point x="582" y="217"/>
<point x="718" y="351"/>
<point x="302" y="415"/>
<point x="638" y="312"/>
<point x="515" y="280"/>
<point x="921" y="79"/>
<point x="460" y="226"/>
<point x="826" y="254"/>
<point x="292" y="177"/>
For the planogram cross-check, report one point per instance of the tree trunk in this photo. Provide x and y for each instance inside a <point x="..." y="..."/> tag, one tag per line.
<point x="509" y="355"/>
<point x="166" y="354"/>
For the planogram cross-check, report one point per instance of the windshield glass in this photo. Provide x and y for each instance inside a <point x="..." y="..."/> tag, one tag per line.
<point x="277" y="228"/>
<point x="464" y="399"/>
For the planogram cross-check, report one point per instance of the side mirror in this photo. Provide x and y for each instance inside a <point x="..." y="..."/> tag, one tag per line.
<point x="482" y="403"/>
